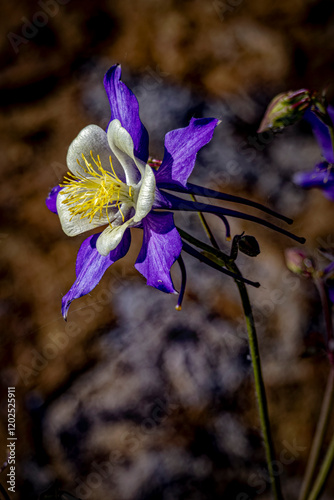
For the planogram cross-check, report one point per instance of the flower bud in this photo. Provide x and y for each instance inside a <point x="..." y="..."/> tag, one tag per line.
<point x="249" y="246"/>
<point x="286" y="109"/>
<point x="299" y="263"/>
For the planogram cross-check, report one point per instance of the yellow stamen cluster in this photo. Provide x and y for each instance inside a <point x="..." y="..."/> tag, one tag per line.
<point x="95" y="192"/>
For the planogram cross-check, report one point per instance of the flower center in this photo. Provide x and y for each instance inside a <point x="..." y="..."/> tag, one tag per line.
<point x="95" y="192"/>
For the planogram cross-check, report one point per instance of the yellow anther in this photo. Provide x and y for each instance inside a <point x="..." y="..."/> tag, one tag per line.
<point x="96" y="192"/>
<point x="112" y="168"/>
<point x="120" y="211"/>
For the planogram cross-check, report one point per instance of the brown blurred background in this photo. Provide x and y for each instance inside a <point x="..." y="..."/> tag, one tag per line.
<point x="163" y="399"/>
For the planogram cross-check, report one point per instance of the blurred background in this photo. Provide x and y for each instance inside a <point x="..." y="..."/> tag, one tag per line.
<point x="130" y="399"/>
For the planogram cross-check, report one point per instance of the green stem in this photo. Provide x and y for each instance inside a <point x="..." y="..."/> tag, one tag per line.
<point x="259" y="386"/>
<point x="327" y="402"/>
<point x="226" y="261"/>
<point x="323" y="473"/>
<point x="206" y="226"/>
<point x="327" y="309"/>
<point x="204" y="246"/>
<point x="319" y="436"/>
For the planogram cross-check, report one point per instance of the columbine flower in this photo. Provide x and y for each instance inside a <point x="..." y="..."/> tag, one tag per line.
<point x="112" y="183"/>
<point x="322" y="176"/>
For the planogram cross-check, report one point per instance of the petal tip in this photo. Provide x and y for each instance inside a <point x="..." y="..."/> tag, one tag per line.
<point x="65" y="307"/>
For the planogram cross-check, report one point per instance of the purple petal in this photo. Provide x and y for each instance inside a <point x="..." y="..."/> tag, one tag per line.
<point x="160" y="200"/>
<point x="330" y="111"/>
<point x="91" y="266"/>
<point x="329" y="270"/>
<point x="181" y="148"/>
<point x="124" y="106"/>
<point x="51" y="200"/>
<point x="321" y="177"/>
<point x="321" y="133"/>
<point x="161" y="247"/>
<point x="329" y="193"/>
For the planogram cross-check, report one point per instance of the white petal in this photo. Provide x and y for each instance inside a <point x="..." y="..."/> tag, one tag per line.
<point x="92" y="138"/>
<point x="146" y="194"/>
<point x="74" y="225"/>
<point x="111" y="237"/>
<point x="121" y="144"/>
<point x="126" y="212"/>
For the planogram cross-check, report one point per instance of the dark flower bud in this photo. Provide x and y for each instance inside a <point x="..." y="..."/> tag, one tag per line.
<point x="249" y="246"/>
<point x="246" y="244"/>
